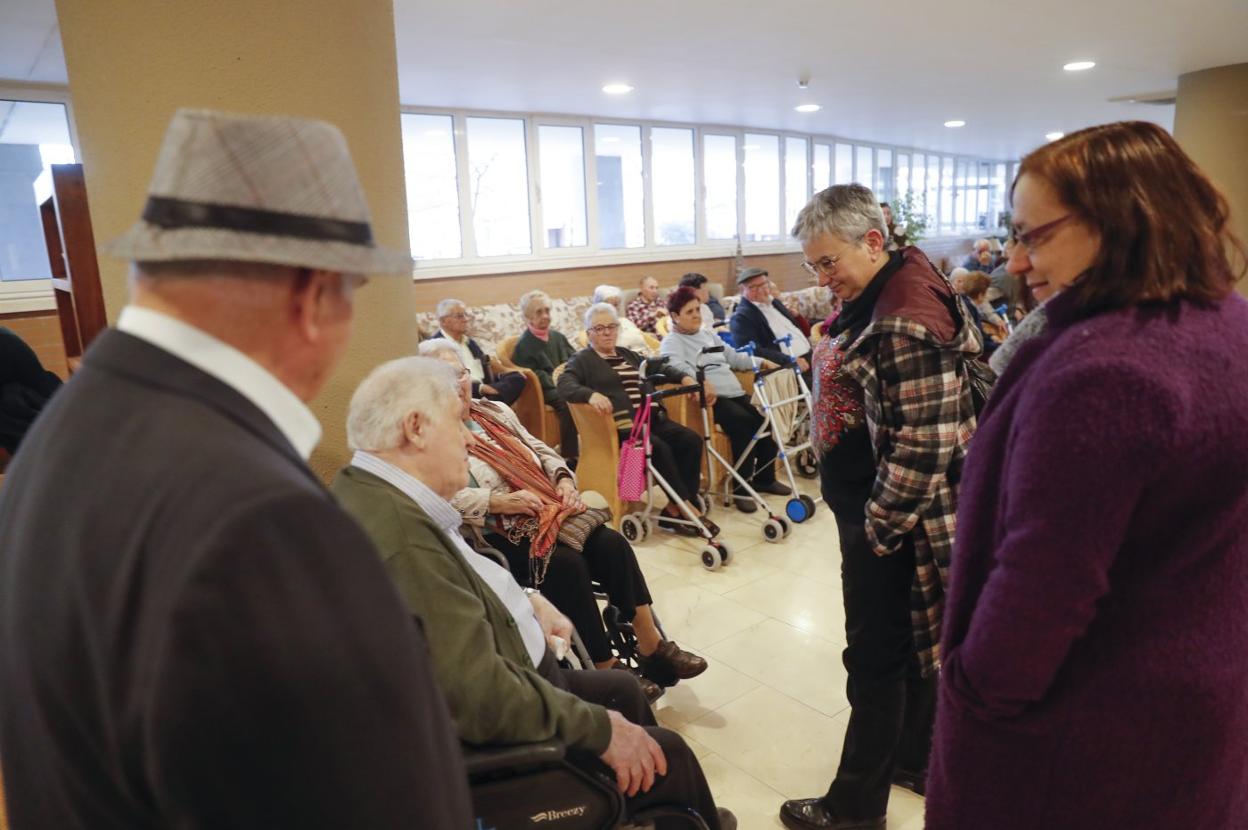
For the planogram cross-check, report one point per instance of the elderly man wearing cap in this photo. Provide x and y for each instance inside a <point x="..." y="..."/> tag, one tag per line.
<point x="762" y="319"/>
<point x="194" y="634"/>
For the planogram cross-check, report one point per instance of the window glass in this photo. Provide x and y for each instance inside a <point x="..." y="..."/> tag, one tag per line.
<point x="884" y="175"/>
<point x="822" y="167"/>
<point x="947" y="220"/>
<point x="719" y="176"/>
<point x="561" y="158"/>
<point x="33" y="137"/>
<point x="864" y="166"/>
<point x="621" y="217"/>
<point x="671" y="165"/>
<point x="844" y="164"/>
<point x="498" y="186"/>
<point x="796" y="180"/>
<point x="902" y="186"/>
<point x="996" y="200"/>
<point x="762" y="187"/>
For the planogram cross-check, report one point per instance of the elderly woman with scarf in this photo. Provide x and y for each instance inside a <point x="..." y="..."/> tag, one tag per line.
<point x="518" y="498"/>
<point x="893" y="415"/>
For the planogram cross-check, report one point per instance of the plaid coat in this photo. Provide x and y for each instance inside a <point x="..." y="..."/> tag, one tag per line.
<point x="917" y="401"/>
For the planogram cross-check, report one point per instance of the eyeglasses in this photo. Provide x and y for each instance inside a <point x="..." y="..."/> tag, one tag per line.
<point x="1031" y="238"/>
<point x="825" y="266"/>
<point x="605" y="329"/>
<point x="460" y="315"/>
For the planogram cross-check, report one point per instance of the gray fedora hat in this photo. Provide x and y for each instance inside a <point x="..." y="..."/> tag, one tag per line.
<point x="257" y="189"/>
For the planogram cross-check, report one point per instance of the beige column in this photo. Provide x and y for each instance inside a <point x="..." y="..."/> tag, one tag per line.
<point x="132" y="64"/>
<point x="1211" y="122"/>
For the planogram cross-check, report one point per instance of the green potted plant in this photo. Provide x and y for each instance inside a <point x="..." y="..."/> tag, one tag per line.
<point x="910" y="223"/>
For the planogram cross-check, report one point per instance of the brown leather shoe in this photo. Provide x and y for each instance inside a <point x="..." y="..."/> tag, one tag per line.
<point x="653" y="691"/>
<point x="670" y="663"/>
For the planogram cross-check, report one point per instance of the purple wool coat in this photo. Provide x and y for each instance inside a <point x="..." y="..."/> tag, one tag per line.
<point x="1096" y="629"/>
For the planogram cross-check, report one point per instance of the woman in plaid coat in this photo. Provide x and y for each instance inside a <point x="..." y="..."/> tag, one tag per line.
<point x="893" y="417"/>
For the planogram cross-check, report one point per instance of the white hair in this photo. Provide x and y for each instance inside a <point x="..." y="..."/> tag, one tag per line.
<point x="528" y="298"/>
<point x="606" y="293"/>
<point x="847" y="211"/>
<point x="438" y="346"/>
<point x="600" y="308"/>
<point x="447" y="307"/>
<point x="390" y="393"/>
<point x="958" y="272"/>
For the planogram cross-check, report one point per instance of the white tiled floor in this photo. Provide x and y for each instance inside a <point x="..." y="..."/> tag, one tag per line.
<point x="768" y="717"/>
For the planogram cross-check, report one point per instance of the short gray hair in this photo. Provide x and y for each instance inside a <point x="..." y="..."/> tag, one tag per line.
<point x="438" y="346"/>
<point x="447" y="307"/>
<point x="606" y="293"/>
<point x="847" y="211"/>
<point x="600" y="308"/>
<point x="528" y="298"/>
<point x="390" y="393"/>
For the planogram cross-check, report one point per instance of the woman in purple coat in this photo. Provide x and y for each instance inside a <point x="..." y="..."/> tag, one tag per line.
<point x="1095" y="630"/>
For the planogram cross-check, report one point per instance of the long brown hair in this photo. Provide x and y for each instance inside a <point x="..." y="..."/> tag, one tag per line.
<point x="1164" y="227"/>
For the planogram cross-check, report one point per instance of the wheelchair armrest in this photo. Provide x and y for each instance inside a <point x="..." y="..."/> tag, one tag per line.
<point x="482" y="760"/>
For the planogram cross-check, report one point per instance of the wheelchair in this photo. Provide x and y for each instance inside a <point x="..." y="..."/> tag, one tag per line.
<point x="534" y="786"/>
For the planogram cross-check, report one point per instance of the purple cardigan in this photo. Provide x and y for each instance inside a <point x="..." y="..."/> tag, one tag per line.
<point x="1096" y="629"/>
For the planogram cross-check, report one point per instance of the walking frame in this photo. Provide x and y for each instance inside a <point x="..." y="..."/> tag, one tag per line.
<point x="637" y="526"/>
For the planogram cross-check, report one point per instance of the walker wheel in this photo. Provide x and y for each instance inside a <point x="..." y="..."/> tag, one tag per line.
<point x="647" y="527"/>
<point x="810" y="504"/>
<point x="773" y="531"/>
<point x="711" y="558"/>
<point x="797" y="510"/>
<point x="784" y="523"/>
<point x="725" y="552"/>
<point x="632" y="528"/>
<point x="703" y="503"/>
<point x="807" y="466"/>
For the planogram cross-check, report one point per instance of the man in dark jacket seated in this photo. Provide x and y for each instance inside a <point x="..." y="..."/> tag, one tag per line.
<point x="453" y="318"/>
<point x="762" y="320"/>
<point x="493" y="643"/>
<point x="25" y="386"/>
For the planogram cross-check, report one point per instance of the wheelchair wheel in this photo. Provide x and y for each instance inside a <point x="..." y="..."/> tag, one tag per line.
<point x="797" y="509"/>
<point x="633" y="528"/>
<point x="773" y="531"/>
<point x="712" y="558"/>
<point x="807" y="466"/>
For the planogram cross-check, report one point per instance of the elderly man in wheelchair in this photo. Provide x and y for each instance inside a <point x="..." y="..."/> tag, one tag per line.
<point x="493" y="644"/>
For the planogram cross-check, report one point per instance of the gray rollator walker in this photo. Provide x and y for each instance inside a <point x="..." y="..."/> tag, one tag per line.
<point x="793" y="446"/>
<point x="775" y="528"/>
<point x="637" y="526"/>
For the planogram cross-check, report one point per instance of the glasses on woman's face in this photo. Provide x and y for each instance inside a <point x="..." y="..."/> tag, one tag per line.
<point x="1030" y="239"/>
<point x="604" y="328"/>
<point x="825" y="266"/>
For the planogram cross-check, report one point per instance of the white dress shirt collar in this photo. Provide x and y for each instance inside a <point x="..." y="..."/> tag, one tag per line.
<point x="230" y="366"/>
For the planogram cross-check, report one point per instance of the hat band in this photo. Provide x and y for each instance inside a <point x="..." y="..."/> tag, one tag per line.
<point x="172" y="214"/>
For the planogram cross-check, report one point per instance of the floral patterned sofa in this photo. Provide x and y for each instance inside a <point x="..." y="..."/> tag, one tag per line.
<point x="492" y="323"/>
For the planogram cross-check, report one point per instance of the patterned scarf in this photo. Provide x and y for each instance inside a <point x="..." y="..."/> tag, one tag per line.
<point x="512" y="460"/>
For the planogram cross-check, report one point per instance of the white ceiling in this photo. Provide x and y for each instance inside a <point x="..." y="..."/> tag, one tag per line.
<point x="890" y="73"/>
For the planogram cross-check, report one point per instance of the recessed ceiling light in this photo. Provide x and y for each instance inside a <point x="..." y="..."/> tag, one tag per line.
<point x="1054" y="136"/>
<point x="808" y="108"/>
<point x="1079" y="66"/>
<point x="955" y="123"/>
<point x="617" y="89"/>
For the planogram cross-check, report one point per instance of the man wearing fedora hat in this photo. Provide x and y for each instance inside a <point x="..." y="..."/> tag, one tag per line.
<point x="193" y="633"/>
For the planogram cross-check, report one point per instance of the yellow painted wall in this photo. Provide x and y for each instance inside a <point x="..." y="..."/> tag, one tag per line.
<point x="1211" y="122"/>
<point x="132" y="64"/>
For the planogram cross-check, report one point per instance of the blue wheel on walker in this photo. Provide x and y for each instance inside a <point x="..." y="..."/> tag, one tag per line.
<point x="800" y="508"/>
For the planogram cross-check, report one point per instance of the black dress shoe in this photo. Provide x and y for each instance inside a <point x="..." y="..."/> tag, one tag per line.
<point x="915" y="782"/>
<point x="653" y="691"/>
<point x="745" y="504"/>
<point x="776" y="489"/>
<point x="811" y="814"/>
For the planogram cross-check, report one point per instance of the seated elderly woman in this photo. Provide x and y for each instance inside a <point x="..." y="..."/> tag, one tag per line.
<point x="733" y="412"/>
<point x="607" y="377"/>
<point x="631" y="337"/>
<point x="543" y="349"/>
<point x="519" y="498"/>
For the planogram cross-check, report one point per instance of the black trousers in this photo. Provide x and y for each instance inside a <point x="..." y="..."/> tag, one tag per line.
<point x="684" y="784"/>
<point x="891" y="706"/>
<point x="677" y="455"/>
<point x="740" y="421"/>
<point x="608" y="559"/>
<point x="509" y="386"/>
<point x="569" y="438"/>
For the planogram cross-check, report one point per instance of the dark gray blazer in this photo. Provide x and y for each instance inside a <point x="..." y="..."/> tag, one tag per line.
<point x="748" y="325"/>
<point x="192" y="633"/>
